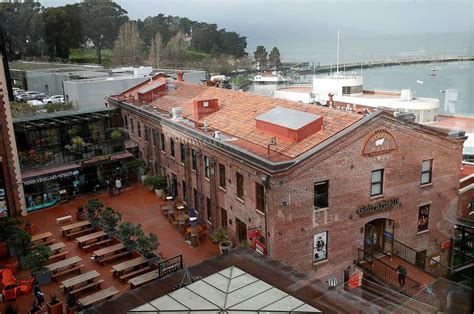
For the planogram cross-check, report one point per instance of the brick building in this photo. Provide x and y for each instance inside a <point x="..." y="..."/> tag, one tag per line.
<point x="311" y="184"/>
<point x="466" y="191"/>
<point x="11" y="193"/>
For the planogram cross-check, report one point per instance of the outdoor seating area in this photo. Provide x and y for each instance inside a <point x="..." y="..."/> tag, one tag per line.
<point x="80" y="251"/>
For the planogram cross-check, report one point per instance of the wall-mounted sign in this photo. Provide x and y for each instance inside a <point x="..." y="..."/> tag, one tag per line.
<point x="380" y="142"/>
<point x="51" y="177"/>
<point x="94" y="160"/>
<point x="320" y="246"/>
<point x="260" y="247"/>
<point x="446" y="245"/>
<point x="378" y="207"/>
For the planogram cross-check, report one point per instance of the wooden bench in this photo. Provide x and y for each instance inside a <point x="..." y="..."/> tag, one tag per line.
<point x="95" y="244"/>
<point x="79" y="233"/>
<point x="113" y="257"/>
<point x="60" y="254"/>
<point x="100" y="296"/>
<point x="95" y="285"/>
<point x="63" y="219"/>
<point x="134" y="273"/>
<point x="45" y="243"/>
<point x="143" y="279"/>
<point x="56" y="276"/>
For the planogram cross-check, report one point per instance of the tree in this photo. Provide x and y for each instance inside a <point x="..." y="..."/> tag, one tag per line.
<point x="156" y="48"/>
<point x="110" y="219"/>
<point x="260" y="56"/>
<point x="174" y="51"/>
<point x="101" y="21"/>
<point x="274" y="58"/>
<point x="128" y="48"/>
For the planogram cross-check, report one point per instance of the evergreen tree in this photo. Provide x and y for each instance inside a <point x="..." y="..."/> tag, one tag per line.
<point x="260" y="56"/>
<point x="274" y="58"/>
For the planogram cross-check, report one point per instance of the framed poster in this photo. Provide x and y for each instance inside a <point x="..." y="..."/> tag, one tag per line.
<point x="320" y="248"/>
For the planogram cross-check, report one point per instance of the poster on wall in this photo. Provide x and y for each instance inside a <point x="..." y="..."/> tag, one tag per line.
<point x="320" y="246"/>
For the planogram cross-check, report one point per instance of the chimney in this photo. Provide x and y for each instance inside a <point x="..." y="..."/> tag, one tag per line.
<point x="177" y="114"/>
<point x="180" y="76"/>
<point x="170" y="84"/>
<point x="202" y="108"/>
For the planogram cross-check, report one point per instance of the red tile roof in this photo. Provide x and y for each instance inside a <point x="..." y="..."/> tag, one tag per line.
<point x="237" y="112"/>
<point x="467" y="169"/>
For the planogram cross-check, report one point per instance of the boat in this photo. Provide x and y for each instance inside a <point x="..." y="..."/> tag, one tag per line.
<point x="267" y="77"/>
<point x="433" y="72"/>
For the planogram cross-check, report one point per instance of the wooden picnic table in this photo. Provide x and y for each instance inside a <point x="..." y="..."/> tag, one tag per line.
<point x="41" y="237"/>
<point x="89" y="237"/>
<point x="85" y="277"/>
<point x="98" y="296"/>
<point x="120" y="268"/>
<point x="78" y="225"/>
<point x="56" y="247"/>
<point x="64" y="263"/>
<point x="108" y="250"/>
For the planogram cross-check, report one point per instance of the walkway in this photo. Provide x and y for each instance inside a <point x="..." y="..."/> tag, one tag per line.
<point x="412" y="271"/>
<point x="136" y="204"/>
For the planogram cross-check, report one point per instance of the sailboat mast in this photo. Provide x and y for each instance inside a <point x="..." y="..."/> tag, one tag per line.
<point x="337" y="61"/>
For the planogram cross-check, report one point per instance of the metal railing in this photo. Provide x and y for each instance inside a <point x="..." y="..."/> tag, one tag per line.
<point x="387" y="273"/>
<point x="421" y="260"/>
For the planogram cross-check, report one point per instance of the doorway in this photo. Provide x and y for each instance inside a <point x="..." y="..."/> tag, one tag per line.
<point x="223" y="218"/>
<point x="241" y="229"/>
<point x="377" y="234"/>
<point x="420" y="259"/>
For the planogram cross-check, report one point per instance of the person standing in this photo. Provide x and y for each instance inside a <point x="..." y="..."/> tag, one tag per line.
<point x="118" y="185"/>
<point x="402" y="273"/>
<point x="38" y="294"/>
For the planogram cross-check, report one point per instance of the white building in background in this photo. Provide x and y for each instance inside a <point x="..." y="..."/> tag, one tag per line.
<point x="347" y="91"/>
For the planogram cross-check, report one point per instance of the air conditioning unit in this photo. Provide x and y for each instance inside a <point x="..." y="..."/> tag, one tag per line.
<point x="177" y="114"/>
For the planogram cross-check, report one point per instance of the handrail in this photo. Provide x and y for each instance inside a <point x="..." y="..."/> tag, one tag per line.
<point x="428" y="265"/>
<point x="387" y="273"/>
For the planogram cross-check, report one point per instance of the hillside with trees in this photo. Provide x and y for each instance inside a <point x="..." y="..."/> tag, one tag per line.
<point x="34" y="32"/>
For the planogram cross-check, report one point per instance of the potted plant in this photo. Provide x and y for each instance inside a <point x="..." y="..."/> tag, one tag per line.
<point x="109" y="219"/>
<point x="147" y="245"/>
<point x="158" y="183"/>
<point x="55" y="306"/>
<point x="77" y="146"/>
<point x="129" y="234"/>
<point x="94" y="207"/>
<point x="71" y="305"/>
<point x="37" y="258"/>
<point x="220" y="236"/>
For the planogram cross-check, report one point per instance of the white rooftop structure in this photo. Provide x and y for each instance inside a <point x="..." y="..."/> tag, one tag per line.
<point x="288" y="118"/>
<point x="228" y="291"/>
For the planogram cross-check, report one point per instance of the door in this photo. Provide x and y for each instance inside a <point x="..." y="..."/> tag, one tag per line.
<point x="241" y="230"/>
<point x="223" y="217"/>
<point x="174" y="186"/>
<point x="421" y="259"/>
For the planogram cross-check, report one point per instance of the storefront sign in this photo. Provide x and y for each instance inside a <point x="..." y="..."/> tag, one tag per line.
<point x="260" y="248"/>
<point x="378" y="207"/>
<point x="381" y="142"/>
<point x="446" y="245"/>
<point x="320" y="246"/>
<point x="51" y="177"/>
<point x="94" y="160"/>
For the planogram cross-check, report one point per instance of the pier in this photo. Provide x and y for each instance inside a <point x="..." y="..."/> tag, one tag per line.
<point x="382" y="63"/>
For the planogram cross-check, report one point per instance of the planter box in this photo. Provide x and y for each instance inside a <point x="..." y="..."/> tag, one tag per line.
<point x="159" y="193"/>
<point x="56" y="308"/>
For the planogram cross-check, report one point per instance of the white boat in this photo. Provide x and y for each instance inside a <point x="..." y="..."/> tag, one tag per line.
<point x="274" y="77"/>
<point x="433" y="72"/>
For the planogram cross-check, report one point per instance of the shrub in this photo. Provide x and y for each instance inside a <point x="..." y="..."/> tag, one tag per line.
<point x="147" y="245"/>
<point x="38" y="257"/>
<point x="157" y="182"/>
<point x="130" y="233"/>
<point x="219" y="235"/>
<point x="109" y="219"/>
<point x="19" y="240"/>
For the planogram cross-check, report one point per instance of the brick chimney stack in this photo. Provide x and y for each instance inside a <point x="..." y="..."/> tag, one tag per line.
<point x="180" y="76"/>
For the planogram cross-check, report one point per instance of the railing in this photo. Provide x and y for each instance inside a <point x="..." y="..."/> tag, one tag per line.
<point x="420" y="260"/>
<point x="387" y="273"/>
<point x="170" y="265"/>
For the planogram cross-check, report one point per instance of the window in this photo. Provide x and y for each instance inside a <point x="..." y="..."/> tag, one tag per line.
<point x="155" y="138"/>
<point x="426" y="167"/>
<point x="471" y="208"/>
<point x="196" y="199"/>
<point x="132" y="125"/>
<point x="182" y="149"/>
<point x="377" y="183"/>
<point x="209" y="209"/>
<point x="139" y="129"/>
<point x="423" y="217"/>
<point x="207" y="167"/>
<point x="172" y="147"/>
<point x="260" y="197"/>
<point x="320" y="246"/>
<point x="162" y="140"/>
<point x="194" y="159"/>
<point x="321" y="191"/>
<point x="240" y="185"/>
<point x="125" y="120"/>
<point x="222" y="176"/>
<point x="147" y="134"/>
<point x="185" y="191"/>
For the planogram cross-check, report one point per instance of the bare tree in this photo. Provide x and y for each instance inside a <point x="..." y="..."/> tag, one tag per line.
<point x="174" y="51"/>
<point x="156" y="51"/>
<point x="128" y="48"/>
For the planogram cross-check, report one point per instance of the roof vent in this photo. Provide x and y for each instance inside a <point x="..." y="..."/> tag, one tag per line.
<point x="292" y="125"/>
<point x="170" y="84"/>
<point x="217" y="135"/>
<point x="205" y="107"/>
<point x="177" y="114"/>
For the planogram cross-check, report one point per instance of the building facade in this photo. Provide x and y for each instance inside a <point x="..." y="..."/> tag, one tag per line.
<point x="11" y="191"/>
<point x="307" y="185"/>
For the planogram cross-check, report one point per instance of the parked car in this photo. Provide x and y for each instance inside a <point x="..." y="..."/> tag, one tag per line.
<point x="34" y="95"/>
<point x="35" y="102"/>
<point x="17" y="91"/>
<point x="55" y="99"/>
<point x="21" y="97"/>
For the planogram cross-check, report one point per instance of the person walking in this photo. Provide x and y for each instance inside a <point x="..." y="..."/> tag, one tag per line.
<point x="38" y="294"/>
<point x="402" y="273"/>
<point x="118" y="185"/>
<point x="110" y="187"/>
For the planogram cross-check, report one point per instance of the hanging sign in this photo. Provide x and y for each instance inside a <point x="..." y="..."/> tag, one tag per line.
<point x="260" y="247"/>
<point x="95" y="160"/>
